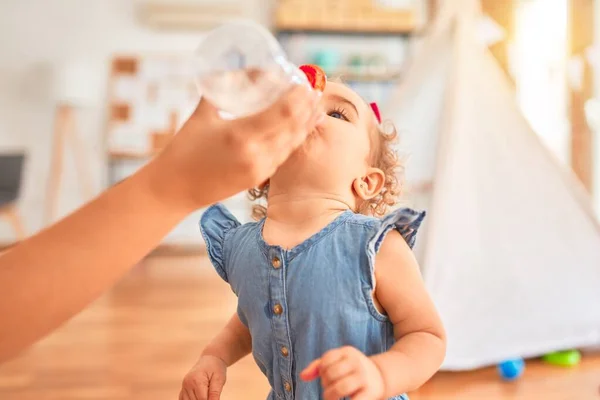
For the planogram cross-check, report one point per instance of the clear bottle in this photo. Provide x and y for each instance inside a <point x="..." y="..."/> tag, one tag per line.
<point x="241" y="68"/>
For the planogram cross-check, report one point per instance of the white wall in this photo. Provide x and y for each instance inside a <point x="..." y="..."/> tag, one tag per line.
<point x="597" y="94"/>
<point x="39" y="38"/>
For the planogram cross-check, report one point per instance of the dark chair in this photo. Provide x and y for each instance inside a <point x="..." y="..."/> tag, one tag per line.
<point x="11" y="172"/>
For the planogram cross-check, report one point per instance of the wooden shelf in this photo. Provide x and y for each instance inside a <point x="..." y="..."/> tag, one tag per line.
<point x="348" y="75"/>
<point x="345" y="17"/>
<point x="289" y="30"/>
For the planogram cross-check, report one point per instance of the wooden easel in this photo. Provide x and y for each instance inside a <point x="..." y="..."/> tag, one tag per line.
<point x="65" y="134"/>
<point x="160" y="139"/>
<point x="9" y="212"/>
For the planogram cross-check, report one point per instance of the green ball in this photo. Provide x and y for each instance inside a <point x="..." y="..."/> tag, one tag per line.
<point x="567" y="358"/>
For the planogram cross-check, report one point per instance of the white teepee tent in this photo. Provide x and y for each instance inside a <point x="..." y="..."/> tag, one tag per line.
<point x="511" y="248"/>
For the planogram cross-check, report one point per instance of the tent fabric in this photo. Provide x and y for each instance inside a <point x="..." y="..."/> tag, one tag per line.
<point x="511" y="249"/>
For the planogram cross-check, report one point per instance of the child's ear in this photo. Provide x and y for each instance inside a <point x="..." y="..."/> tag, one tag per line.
<point x="370" y="185"/>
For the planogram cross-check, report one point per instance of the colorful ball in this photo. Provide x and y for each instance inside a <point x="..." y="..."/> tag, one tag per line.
<point x="510" y="370"/>
<point x="567" y="358"/>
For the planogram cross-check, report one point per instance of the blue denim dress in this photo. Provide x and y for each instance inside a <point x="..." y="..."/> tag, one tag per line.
<point x="300" y="303"/>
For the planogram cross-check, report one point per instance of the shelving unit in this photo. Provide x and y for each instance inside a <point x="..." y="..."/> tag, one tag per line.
<point x="149" y="97"/>
<point x="345" y="29"/>
<point x="354" y="75"/>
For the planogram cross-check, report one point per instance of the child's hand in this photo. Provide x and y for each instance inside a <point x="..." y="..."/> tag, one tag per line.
<point x="346" y="372"/>
<point x="205" y="380"/>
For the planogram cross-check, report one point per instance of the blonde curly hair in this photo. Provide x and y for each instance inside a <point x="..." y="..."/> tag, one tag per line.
<point x="383" y="156"/>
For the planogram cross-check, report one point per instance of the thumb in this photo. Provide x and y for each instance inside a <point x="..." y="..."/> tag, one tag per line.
<point x="215" y="388"/>
<point x="312" y="371"/>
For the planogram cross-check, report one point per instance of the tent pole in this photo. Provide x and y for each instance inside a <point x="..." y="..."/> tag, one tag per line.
<point x="581" y="36"/>
<point x="503" y="12"/>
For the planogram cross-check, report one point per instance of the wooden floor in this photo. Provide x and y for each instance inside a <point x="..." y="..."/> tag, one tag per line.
<point x="139" y="340"/>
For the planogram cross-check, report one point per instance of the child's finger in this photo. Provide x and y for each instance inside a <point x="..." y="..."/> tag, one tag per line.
<point x="336" y="371"/>
<point x="361" y="395"/>
<point x="215" y="389"/>
<point x="200" y="392"/>
<point x="312" y="371"/>
<point x="333" y="356"/>
<point x="193" y="394"/>
<point x="344" y="387"/>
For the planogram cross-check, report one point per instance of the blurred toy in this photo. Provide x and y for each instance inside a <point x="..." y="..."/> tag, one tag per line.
<point x="316" y="76"/>
<point x="567" y="358"/>
<point x="356" y="63"/>
<point x="510" y="370"/>
<point x="377" y="64"/>
<point x="328" y="60"/>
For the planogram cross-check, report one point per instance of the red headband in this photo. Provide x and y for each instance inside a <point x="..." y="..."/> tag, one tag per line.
<point x="375" y="109"/>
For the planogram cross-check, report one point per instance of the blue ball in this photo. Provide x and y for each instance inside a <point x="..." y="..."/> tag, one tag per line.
<point x="510" y="370"/>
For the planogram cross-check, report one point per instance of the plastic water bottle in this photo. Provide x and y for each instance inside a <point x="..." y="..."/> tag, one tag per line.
<point x="241" y="68"/>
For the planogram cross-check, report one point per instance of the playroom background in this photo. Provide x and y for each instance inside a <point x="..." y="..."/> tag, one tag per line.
<point x="498" y="111"/>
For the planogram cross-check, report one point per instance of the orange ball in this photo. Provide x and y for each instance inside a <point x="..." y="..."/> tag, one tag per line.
<point x="316" y="76"/>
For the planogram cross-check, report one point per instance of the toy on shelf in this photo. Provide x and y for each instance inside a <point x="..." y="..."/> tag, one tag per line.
<point x="511" y="370"/>
<point x="567" y="358"/>
<point x="356" y="63"/>
<point x="329" y="60"/>
<point x="377" y="64"/>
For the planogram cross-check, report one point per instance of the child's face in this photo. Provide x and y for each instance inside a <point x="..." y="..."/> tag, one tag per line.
<point x="336" y="156"/>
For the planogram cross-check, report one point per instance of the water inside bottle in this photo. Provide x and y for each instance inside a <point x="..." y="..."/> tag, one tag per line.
<point x="242" y="70"/>
<point x="242" y="92"/>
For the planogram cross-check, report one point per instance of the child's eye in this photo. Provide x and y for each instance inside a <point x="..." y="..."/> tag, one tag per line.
<point x="339" y="114"/>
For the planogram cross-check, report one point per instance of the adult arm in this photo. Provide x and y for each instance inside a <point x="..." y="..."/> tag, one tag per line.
<point x="51" y="276"/>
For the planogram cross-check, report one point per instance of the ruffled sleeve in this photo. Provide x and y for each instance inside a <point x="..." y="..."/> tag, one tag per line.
<point x="215" y="224"/>
<point x="405" y="220"/>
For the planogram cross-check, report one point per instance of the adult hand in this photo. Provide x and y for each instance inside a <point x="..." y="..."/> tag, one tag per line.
<point x="234" y="155"/>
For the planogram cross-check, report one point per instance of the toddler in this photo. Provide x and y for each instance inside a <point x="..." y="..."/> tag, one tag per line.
<point x="330" y="299"/>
